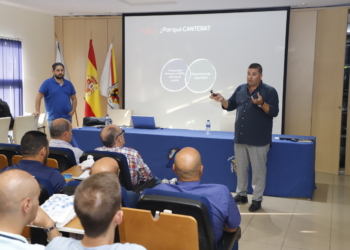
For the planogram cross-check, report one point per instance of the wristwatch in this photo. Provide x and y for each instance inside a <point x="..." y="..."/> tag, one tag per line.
<point x="260" y="105"/>
<point x="50" y="229"/>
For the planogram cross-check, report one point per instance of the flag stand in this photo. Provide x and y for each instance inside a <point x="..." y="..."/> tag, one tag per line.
<point x="76" y="118"/>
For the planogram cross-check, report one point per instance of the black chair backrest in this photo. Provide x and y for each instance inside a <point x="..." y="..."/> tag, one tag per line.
<point x="185" y="206"/>
<point x="46" y="189"/>
<point x="10" y="150"/>
<point x="44" y="194"/>
<point x="37" y="235"/>
<point x="124" y="175"/>
<point x="64" y="156"/>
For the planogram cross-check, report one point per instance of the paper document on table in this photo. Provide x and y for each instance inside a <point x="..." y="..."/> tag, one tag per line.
<point x="60" y="208"/>
<point x="83" y="176"/>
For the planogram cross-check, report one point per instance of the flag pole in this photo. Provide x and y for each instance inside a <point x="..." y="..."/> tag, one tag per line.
<point x="76" y="118"/>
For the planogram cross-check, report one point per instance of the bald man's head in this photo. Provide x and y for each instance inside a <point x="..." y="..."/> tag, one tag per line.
<point x="105" y="164"/>
<point x="19" y="195"/>
<point x="111" y="136"/>
<point x="188" y="165"/>
<point x="61" y="129"/>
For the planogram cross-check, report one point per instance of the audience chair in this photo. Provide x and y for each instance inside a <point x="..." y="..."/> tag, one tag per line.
<point x="191" y="205"/>
<point x="22" y="125"/>
<point x="4" y="129"/>
<point x="16" y="159"/>
<point x="170" y="231"/>
<point x="124" y="176"/>
<point x="10" y="150"/>
<point x="41" y="122"/>
<point x="52" y="163"/>
<point x="64" y="156"/>
<point x="3" y="162"/>
<point x="121" y="117"/>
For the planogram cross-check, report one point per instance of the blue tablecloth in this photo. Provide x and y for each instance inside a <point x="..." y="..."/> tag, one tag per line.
<point x="290" y="165"/>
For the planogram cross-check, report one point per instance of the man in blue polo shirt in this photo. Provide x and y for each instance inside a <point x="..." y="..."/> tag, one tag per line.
<point x="35" y="150"/>
<point x="256" y="104"/>
<point x="188" y="167"/>
<point x="59" y="95"/>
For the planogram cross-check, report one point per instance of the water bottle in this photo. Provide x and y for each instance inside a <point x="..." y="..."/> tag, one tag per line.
<point x="208" y="128"/>
<point x="108" y="120"/>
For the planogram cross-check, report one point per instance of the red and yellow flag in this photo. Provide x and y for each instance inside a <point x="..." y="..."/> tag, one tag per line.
<point x="92" y="90"/>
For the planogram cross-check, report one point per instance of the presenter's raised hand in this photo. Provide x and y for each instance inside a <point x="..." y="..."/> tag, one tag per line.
<point x="217" y="98"/>
<point x="257" y="101"/>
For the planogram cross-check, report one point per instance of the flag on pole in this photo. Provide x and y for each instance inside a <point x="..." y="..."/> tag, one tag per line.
<point x="109" y="80"/>
<point x="60" y="59"/>
<point x="92" y="91"/>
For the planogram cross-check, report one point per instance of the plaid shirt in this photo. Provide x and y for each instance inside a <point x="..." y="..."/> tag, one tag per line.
<point x="139" y="171"/>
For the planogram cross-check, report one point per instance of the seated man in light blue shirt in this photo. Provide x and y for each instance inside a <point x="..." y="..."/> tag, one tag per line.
<point x="97" y="203"/>
<point x="188" y="167"/>
<point x="61" y="136"/>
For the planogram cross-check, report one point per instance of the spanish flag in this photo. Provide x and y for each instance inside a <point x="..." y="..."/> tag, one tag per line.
<point x="92" y="90"/>
<point x="109" y="80"/>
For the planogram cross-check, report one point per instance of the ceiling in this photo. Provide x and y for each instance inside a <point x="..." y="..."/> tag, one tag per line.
<point x="117" y="7"/>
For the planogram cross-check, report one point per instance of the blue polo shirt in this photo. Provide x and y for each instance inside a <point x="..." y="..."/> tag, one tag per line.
<point x="253" y="126"/>
<point x="39" y="170"/>
<point x="223" y="206"/>
<point x="57" y="98"/>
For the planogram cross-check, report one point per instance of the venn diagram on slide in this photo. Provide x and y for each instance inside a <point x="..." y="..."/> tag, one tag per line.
<point x="198" y="77"/>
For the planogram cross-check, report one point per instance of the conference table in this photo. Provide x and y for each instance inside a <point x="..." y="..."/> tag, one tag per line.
<point x="290" y="163"/>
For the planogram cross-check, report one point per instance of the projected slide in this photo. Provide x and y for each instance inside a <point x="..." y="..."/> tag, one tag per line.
<point x="172" y="61"/>
<point x="198" y="77"/>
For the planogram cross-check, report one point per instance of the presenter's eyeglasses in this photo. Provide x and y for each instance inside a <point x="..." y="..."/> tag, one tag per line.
<point x="123" y="132"/>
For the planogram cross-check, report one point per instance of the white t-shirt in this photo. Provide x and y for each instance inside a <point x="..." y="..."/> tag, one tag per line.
<point x="10" y="241"/>
<point x="72" y="244"/>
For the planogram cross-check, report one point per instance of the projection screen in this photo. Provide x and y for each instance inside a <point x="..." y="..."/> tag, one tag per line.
<point x="173" y="60"/>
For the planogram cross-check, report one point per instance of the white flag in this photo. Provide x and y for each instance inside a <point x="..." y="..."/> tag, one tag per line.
<point x="109" y="80"/>
<point x="60" y="59"/>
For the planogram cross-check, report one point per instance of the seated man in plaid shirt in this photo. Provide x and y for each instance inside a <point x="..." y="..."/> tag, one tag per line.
<point x="113" y="140"/>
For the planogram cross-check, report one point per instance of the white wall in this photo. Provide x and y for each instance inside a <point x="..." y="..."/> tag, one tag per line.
<point x="36" y="30"/>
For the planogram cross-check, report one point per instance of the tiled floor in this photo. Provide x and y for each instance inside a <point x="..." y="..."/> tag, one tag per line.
<point x="298" y="223"/>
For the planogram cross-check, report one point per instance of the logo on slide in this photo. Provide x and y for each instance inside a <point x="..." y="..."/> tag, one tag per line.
<point x="198" y="77"/>
<point x="148" y="31"/>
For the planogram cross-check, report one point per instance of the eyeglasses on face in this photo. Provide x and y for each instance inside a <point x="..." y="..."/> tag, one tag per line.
<point x="123" y="132"/>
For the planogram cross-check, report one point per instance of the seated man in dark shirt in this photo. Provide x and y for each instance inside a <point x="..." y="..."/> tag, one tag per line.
<point x="5" y="112"/>
<point x="35" y="150"/>
<point x="188" y="167"/>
